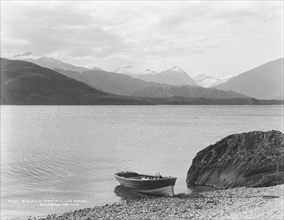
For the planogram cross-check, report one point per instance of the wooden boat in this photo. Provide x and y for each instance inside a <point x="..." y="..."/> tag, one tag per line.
<point x="156" y="185"/>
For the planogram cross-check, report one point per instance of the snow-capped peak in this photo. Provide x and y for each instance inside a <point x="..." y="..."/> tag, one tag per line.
<point x="227" y="76"/>
<point x="97" y="68"/>
<point x="26" y="56"/>
<point x="127" y="70"/>
<point x="132" y="71"/>
<point x="176" y="69"/>
<point x="50" y="59"/>
<point x="28" y="53"/>
<point x="211" y="81"/>
<point x="206" y="81"/>
<point x="149" y="71"/>
<point x="123" y="69"/>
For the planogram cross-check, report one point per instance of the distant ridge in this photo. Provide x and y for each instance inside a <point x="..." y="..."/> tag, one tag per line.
<point x="172" y="76"/>
<point x="25" y="83"/>
<point x="110" y="82"/>
<point x="97" y="68"/>
<point x="126" y="70"/>
<point x="49" y="62"/>
<point x="121" y="84"/>
<point x="132" y="71"/>
<point x="187" y="91"/>
<point x="263" y="82"/>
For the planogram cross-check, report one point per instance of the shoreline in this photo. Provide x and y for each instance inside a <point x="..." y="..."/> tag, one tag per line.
<point x="235" y="203"/>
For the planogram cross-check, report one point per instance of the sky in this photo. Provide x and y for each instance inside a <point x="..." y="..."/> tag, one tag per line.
<point x="208" y="37"/>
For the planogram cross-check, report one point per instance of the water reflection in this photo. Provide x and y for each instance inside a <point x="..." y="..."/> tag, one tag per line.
<point x="40" y="157"/>
<point x="126" y="193"/>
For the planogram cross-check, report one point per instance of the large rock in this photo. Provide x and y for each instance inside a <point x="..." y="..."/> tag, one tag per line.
<point x="247" y="159"/>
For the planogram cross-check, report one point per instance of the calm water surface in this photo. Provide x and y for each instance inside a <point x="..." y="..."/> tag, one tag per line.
<point x="61" y="158"/>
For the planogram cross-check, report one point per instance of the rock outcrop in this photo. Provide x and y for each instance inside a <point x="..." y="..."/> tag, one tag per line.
<point x="247" y="159"/>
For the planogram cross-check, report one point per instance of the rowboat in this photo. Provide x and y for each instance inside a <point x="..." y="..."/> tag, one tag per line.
<point x="150" y="184"/>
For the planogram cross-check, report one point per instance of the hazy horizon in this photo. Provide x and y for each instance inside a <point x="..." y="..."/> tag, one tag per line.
<point x="210" y="38"/>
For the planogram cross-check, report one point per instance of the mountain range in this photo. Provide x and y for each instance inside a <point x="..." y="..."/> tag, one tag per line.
<point x="127" y="70"/>
<point x="49" y="62"/>
<point x="263" y="82"/>
<point x="125" y="85"/>
<point x="110" y="82"/>
<point x="25" y="83"/>
<point x="186" y="91"/>
<point x="172" y="76"/>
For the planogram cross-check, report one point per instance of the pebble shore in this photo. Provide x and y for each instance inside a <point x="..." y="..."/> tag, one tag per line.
<point x="237" y="203"/>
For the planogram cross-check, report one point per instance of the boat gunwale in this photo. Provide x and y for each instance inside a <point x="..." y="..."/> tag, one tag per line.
<point x="144" y="180"/>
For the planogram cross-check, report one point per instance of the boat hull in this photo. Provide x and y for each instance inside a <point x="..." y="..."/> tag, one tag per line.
<point x="162" y="186"/>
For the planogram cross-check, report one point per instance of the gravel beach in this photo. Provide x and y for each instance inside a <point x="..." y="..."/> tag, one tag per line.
<point x="237" y="203"/>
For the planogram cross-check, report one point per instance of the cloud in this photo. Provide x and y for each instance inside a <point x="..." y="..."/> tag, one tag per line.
<point x="55" y="28"/>
<point x="114" y="34"/>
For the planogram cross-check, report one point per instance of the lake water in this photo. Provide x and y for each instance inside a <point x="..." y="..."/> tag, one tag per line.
<point x="60" y="158"/>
